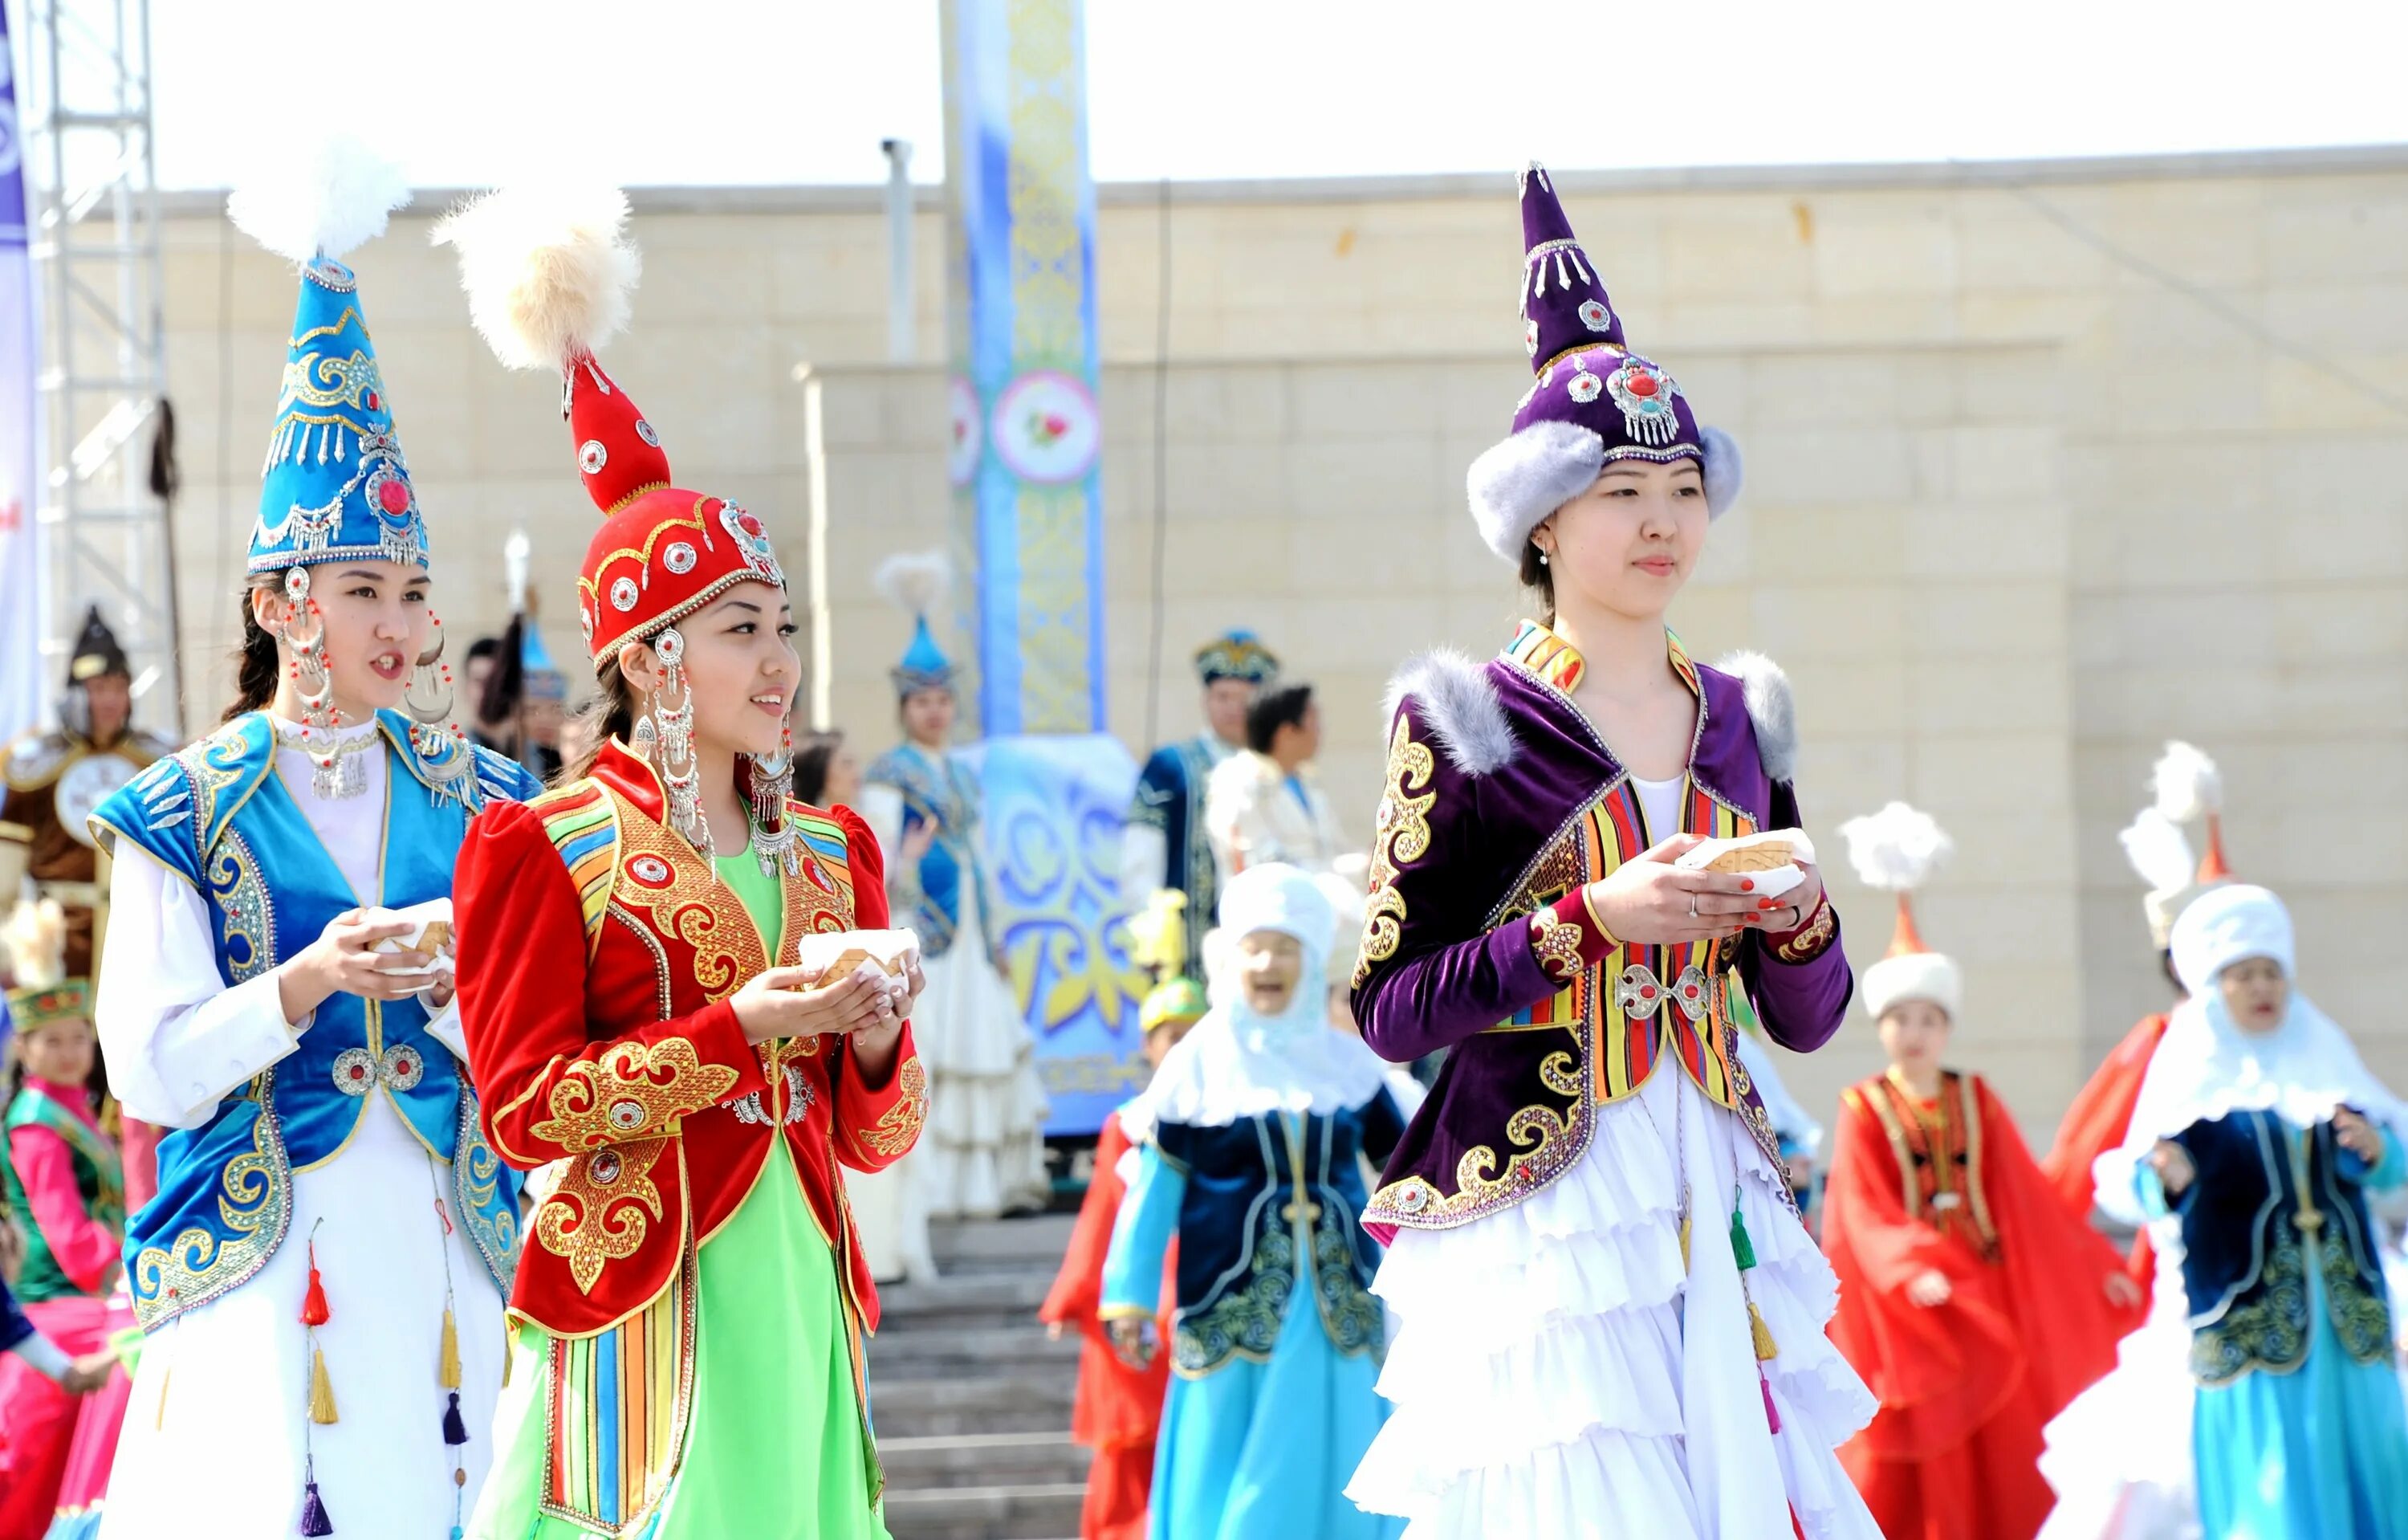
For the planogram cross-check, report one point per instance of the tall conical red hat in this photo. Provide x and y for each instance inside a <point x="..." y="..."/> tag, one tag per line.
<point x="548" y="276"/>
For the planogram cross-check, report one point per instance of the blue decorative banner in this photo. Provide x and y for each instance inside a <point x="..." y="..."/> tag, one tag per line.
<point x="23" y="686"/>
<point x="1051" y="828"/>
<point x="1027" y="508"/>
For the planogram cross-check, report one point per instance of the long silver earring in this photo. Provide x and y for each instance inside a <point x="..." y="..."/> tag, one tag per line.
<point x="673" y="727"/>
<point x="332" y="774"/>
<point x="776" y="839"/>
<point x="427" y="699"/>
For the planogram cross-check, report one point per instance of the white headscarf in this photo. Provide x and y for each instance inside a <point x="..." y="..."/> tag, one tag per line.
<point x="2207" y="1065"/>
<point x="1237" y="1061"/>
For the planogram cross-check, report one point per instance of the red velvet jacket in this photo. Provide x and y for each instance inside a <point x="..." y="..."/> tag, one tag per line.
<point x="597" y="953"/>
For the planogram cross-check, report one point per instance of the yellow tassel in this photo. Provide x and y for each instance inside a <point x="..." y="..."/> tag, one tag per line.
<point x="167" y="1377"/>
<point x="450" y="1371"/>
<point x="322" y="1390"/>
<point x="505" y="1360"/>
<point x="1684" y="1243"/>
<point x="1764" y="1346"/>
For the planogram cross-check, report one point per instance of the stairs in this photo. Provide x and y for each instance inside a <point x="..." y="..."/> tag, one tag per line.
<point x="970" y="1399"/>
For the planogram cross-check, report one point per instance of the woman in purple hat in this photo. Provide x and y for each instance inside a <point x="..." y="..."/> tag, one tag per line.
<point x="1606" y="1303"/>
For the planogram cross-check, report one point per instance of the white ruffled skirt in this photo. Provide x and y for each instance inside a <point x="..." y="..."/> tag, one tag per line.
<point x="2119" y="1455"/>
<point x="1556" y="1368"/>
<point x="983" y="1149"/>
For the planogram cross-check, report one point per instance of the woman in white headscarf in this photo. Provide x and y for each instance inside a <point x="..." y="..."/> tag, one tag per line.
<point x="2257" y="1134"/>
<point x="1249" y="1147"/>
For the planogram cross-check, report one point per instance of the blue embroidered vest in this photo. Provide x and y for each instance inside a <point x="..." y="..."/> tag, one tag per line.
<point x="1266" y="1197"/>
<point x="937" y="791"/>
<point x="218" y="815"/>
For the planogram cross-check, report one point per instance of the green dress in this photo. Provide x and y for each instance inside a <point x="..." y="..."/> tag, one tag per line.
<point x="775" y="1449"/>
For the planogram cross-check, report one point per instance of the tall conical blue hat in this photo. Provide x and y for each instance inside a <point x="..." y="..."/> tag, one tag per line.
<point x="334" y="485"/>
<point x="917" y="585"/>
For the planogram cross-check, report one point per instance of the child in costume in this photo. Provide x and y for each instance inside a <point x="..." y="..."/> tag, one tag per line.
<point x="692" y="1303"/>
<point x="66" y="1195"/>
<point x="1250" y="1141"/>
<point x="1608" y="1305"/>
<point x="319" y="1279"/>
<point x="1973" y="1304"/>
<point x="2259" y="1133"/>
<point x="1118" y="1409"/>
<point x="985" y="1150"/>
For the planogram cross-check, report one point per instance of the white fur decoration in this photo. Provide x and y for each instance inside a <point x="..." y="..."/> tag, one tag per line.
<point x="327" y="198"/>
<point x="517" y="552"/>
<point x="1724" y="469"/>
<point x="1517" y="484"/>
<point x="2188" y="786"/>
<point x="548" y="270"/>
<point x="1459" y="704"/>
<point x="1772" y="708"/>
<point x="2156" y="846"/>
<point x="918" y="582"/>
<point x="1913" y="975"/>
<point x="1895" y="849"/>
<point x="36" y="939"/>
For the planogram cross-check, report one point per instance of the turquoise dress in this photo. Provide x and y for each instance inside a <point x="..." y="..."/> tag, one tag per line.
<point x="1273" y="1401"/>
<point x="2298" y="1428"/>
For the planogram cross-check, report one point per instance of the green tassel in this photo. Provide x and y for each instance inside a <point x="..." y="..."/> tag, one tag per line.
<point x="1742" y="1249"/>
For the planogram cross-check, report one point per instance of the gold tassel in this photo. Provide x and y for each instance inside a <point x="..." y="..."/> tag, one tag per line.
<point x="505" y="1360"/>
<point x="1764" y="1346"/>
<point x="322" y="1390"/>
<point x="450" y="1371"/>
<point x="1684" y="1243"/>
<point x="167" y="1377"/>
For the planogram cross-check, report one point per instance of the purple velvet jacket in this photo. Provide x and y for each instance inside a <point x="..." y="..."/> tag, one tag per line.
<point x="1501" y="800"/>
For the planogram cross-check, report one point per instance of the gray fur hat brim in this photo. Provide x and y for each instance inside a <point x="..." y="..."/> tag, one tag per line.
<point x="1515" y="483"/>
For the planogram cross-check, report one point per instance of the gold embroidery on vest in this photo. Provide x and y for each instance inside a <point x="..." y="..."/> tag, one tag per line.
<point x="899" y="1128"/>
<point x="1400" y="837"/>
<point x="576" y="1222"/>
<point x="631" y="1092"/>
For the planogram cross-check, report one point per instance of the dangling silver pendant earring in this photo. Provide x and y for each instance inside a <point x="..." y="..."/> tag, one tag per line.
<point x="427" y="700"/>
<point x="673" y="728"/>
<point x="1543" y="558"/>
<point x="333" y="772"/>
<point x="776" y="840"/>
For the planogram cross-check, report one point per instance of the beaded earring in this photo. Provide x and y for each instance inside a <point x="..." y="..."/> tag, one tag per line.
<point x="332" y="774"/>
<point x="672" y="728"/>
<point x="776" y="840"/>
<point x="427" y="700"/>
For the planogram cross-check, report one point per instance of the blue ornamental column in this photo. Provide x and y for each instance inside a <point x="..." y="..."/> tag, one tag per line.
<point x="1027" y="538"/>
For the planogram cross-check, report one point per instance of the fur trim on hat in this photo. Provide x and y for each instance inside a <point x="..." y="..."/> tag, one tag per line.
<point x="328" y="198"/>
<point x="1916" y="975"/>
<point x="918" y="582"/>
<point x="1458" y="702"/>
<point x="1517" y="484"/>
<point x="548" y="270"/>
<point x="1725" y="468"/>
<point x="1770" y="707"/>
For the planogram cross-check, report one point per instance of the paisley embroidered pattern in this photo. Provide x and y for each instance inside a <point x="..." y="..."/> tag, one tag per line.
<point x="1546" y="1143"/>
<point x="898" y="1130"/>
<point x="242" y="898"/>
<point x="630" y="1092"/>
<point x="2270" y="1332"/>
<point x="1402" y="836"/>
<point x="488" y="1211"/>
<point x="254" y="1202"/>
<point x="1349" y="1313"/>
<point x="597" y="1213"/>
<point x="1244" y="1321"/>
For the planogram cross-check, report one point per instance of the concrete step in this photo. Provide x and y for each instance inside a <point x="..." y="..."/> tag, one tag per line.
<point x="1009" y="1403"/>
<point x="981" y="1460"/>
<point x="949" y="1350"/>
<point x="1032" y="1244"/>
<point x="964" y="1299"/>
<point x="985" y="1513"/>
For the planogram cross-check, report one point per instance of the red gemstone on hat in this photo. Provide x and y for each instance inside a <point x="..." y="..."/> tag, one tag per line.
<point x="1643" y="384"/>
<point x="746" y="522"/>
<point x="394" y="496"/>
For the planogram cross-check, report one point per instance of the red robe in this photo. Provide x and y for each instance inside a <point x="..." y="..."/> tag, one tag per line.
<point x="2095" y="1123"/>
<point x="1119" y="1409"/>
<point x="1965" y="1386"/>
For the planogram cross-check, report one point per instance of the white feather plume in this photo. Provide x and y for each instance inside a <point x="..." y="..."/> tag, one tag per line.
<point x="2156" y="846"/>
<point x="548" y="270"/>
<point x="517" y="553"/>
<point x="327" y="197"/>
<point x="2187" y="784"/>
<point x="918" y="582"/>
<point x="35" y="937"/>
<point x="1896" y="848"/>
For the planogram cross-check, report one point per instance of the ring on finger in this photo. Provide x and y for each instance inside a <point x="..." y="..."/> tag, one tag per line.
<point x="1693" y="906"/>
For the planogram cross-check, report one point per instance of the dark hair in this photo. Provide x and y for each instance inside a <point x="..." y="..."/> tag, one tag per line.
<point x="484" y="647"/>
<point x="812" y="757"/>
<point x="256" y="664"/>
<point x="612" y="713"/>
<point x="1272" y="710"/>
<point x="1540" y="578"/>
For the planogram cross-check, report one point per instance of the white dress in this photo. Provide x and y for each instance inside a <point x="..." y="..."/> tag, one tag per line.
<point x="212" y="1442"/>
<point x="2119" y="1456"/>
<point x="1557" y="1370"/>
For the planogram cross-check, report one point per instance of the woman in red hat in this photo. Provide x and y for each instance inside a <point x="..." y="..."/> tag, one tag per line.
<point x="691" y="1306"/>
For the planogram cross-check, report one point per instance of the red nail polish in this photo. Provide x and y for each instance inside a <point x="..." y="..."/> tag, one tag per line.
<point x="1767" y="903"/>
<point x="1747" y="884"/>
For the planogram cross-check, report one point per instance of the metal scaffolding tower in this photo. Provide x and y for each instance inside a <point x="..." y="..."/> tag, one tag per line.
<point x="96" y="241"/>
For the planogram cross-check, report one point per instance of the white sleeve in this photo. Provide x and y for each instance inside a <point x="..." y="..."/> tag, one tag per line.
<point x="444" y="1028"/>
<point x="175" y="1037"/>
<point x="1145" y="854"/>
<point x="43" y="1357"/>
<point x="881" y="809"/>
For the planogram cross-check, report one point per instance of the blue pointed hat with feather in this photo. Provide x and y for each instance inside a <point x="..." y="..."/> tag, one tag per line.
<point x="918" y="583"/>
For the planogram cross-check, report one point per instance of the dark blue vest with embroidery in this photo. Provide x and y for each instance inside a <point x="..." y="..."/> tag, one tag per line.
<point x="218" y="815"/>
<point x="2254" y="1225"/>
<point x="1267" y="1197"/>
<point x="940" y="792"/>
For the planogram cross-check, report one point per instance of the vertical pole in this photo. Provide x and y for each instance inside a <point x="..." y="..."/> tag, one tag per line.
<point x="815" y="555"/>
<point x="901" y="307"/>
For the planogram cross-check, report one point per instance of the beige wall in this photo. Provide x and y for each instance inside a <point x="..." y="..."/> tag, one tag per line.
<point x="2018" y="507"/>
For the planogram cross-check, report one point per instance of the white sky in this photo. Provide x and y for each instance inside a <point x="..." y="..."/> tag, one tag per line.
<point x="467" y="92"/>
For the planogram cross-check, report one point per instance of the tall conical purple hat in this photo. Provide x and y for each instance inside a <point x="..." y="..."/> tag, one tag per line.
<point x="1594" y="399"/>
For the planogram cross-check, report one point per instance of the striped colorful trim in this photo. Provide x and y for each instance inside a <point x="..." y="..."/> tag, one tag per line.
<point x="1558" y="663"/>
<point x="618" y="1405"/>
<point x="824" y="838"/>
<point x="583" y="827"/>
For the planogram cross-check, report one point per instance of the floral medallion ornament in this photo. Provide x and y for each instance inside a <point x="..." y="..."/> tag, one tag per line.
<point x="1638" y="992"/>
<point x="355" y="1071"/>
<point x="624" y="594"/>
<point x="1585" y="387"/>
<point x="649" y="869"/>
<point x="1595" y="316"/>
<point x="645" y="431"/>
<point x="592" y="456"/>
<point x="678" y="557"/>
<point x="751" y="542"/>
<point x="1646" y="395"/>
<point x="403" y="1067"/>
<point x="1045" y="427"/>
<point x="1692" y="993"/>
